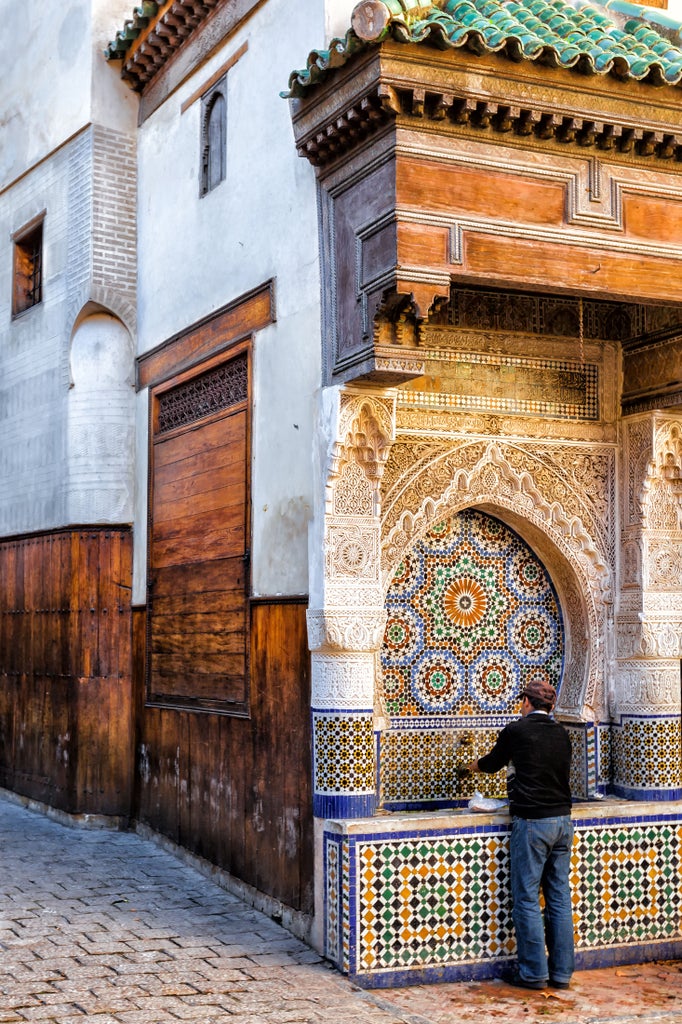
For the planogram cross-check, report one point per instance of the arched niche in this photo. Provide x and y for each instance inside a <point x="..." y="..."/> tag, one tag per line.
<point x="577" y="568"/>
<point x="449" y="677"/>
<point x="101" y="421"/>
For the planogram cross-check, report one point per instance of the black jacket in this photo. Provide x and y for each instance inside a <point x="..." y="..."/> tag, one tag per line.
<point x="538" y="752"/>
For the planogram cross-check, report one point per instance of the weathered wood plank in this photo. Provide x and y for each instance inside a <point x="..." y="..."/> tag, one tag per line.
<point x="199" y="605"/>
<point x="478" y="191"/>
<point x="612" y="275"/>
<point x="211" y="623"/>
<point x="170" y="489"/>
<point x="219" y="436"/>
<point x="73" y="749"/>
<point x="184" y="549"/>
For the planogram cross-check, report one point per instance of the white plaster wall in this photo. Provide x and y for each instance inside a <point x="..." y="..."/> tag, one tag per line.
<point x="53" y="159"/>
<point x="197" y="254"/>
<point x="49" y="53"/>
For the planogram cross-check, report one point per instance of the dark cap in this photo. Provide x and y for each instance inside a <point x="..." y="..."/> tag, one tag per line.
<point x="541" y="695"/>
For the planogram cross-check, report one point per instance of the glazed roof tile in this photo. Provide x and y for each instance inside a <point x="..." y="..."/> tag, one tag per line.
<point x="142" y="14"/>
<point x="619" y="38"/>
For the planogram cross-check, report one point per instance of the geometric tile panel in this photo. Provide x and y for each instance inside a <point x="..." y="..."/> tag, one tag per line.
<point x="646" y="753"/>
<point x="420" y="766"/>
<point x="343" y="753"/>
<point x="604" y="756"/>
<point x="578" y="761"/>
<point x="332" y="899"/>
<point x="434" y="900"/>
<point x="627" y="883"/>
<point x="440" y="899"/>
<point x="472" y="618"/>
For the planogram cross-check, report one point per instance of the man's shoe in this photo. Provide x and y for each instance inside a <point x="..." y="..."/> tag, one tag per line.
<point x="559" y="984"/>
<point x="512" y="977"/>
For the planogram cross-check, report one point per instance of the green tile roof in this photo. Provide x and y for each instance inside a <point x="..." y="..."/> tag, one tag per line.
<point x="620" y="38"/>
<point x="142" y="14"/>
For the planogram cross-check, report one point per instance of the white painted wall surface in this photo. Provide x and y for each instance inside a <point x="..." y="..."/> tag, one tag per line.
<point x="57" y="160"/>
<point x="49" y="52"/>
<point x="197" y="254"/>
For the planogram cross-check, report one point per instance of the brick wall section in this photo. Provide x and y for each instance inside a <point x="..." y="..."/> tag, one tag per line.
<point x="114" y="212"/>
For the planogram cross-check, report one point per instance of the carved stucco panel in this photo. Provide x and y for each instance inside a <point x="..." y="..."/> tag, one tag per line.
<point x="649" y="637"/>
<point x="663" y="561"/>
<point x="357" y="431"/>
<point x="661" y="494"/>
<point x="352" y="551"/>
<point x="581" y="481"/>
<point x="638" y="451"/>
<point x="646" y="686"/>
<point x="365" y="434"/>
<point x="343" y="681"/>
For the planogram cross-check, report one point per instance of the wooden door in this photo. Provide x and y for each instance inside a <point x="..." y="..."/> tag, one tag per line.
<point x="198" y="574"/>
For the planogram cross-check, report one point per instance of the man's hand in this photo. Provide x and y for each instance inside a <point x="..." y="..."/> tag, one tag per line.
<point x="472" y="766"/>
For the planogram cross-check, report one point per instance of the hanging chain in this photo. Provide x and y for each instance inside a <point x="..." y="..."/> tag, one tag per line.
<point x="581" y="331"/>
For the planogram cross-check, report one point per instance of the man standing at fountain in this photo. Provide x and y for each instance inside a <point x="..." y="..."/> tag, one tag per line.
<point x="537" y="752"/>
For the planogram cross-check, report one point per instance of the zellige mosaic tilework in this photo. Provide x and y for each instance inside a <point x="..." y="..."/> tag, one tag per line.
<point x="437" y="900"/>
<point x="472" y="618"/>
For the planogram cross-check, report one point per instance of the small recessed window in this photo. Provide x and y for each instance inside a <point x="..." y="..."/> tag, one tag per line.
<point x="28" y="270"/>
<point x="213" y="136"/>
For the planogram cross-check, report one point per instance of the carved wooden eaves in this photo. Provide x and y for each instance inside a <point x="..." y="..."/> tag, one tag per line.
<point x="441" y="167"/>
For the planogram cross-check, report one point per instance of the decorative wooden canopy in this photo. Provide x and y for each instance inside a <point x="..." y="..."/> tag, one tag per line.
<point x="511" y="143"/>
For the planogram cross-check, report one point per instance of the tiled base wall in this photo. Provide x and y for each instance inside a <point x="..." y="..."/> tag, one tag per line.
<point x="635" y="758"/>
<point x="417" y="902"/>
<point x="646" y="753"/>
<point x="420" y="766"/>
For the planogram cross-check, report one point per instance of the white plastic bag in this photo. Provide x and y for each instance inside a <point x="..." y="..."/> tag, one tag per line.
<point x="479" y="802"/>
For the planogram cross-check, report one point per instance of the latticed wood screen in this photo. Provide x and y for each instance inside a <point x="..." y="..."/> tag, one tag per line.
<point x="198" y="542"/>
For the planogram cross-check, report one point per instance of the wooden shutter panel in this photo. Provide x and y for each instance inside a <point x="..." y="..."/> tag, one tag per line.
<point x="198" y="544"/>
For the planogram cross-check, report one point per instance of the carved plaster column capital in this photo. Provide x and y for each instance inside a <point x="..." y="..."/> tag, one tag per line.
<point x="344" y="630"/>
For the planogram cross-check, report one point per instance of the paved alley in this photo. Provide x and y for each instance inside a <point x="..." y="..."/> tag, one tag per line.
<point x="108" y="927"/>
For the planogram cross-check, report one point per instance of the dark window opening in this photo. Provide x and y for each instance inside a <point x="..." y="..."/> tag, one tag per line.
<point x="28" y="270"/>
<point x="213" y="137"/>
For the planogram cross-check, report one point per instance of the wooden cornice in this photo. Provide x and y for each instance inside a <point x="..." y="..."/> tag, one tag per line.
<point x="537" y="105"/>
<point x="162" y="37"/>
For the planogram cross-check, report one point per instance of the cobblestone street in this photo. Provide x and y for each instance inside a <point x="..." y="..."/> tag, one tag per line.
<point x="109" y="927"/>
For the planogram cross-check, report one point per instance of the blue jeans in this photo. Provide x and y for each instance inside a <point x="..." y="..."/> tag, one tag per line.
<point x="540" y="852"/>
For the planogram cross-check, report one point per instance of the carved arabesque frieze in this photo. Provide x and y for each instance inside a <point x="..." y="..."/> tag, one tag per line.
<point x="582" y="481"/>
<point x="646" y="686"/>
<point x="451" y="422"/>
<point x="418" y="470"/>
<point x="579" y="481"/>
<point x="648" y="637"/>
<point x="638" y="449"/>
<point x="661" y="496"/>
<point x="366" y="431"/>
<point x="342" y="681"/>
<point x="353" y="493"/>
<point x="631" y="564"/>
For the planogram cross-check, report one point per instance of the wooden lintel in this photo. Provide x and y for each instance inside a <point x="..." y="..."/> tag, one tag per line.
<point x="250" y="312"/>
